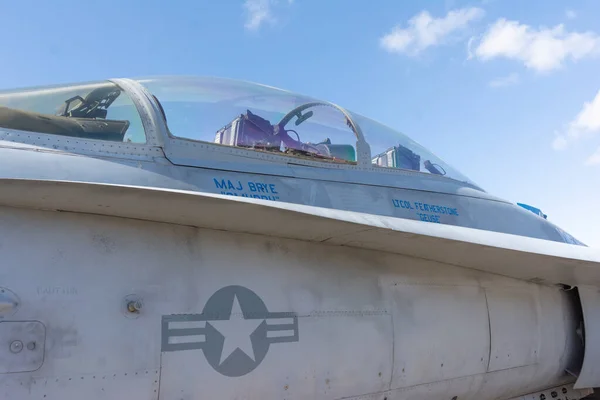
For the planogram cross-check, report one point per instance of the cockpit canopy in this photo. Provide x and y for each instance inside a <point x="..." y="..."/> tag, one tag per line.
<point x="222" y="112"/>
<point x="97" y="110"/>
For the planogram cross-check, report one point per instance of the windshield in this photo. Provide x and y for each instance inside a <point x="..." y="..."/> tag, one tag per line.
<point x="267" y="119"/>
<point x="96" y="110"/>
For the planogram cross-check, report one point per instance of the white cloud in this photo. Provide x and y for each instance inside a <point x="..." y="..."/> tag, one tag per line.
<point x="505" y="80"/>
<point x="594" y="158"/>
<point x="425" y="31"/>
<point x="470" y="53"/>
<point x="542" y="49"/>
<point x="560" y="142"/>
<point x="259" y="12"/>
<point x="571" y="14"/>
<point x="585" y="123"/>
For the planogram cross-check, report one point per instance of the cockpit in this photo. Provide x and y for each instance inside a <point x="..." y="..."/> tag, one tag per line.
<point x="223" y="113"/>
<point x="97" y="111"/>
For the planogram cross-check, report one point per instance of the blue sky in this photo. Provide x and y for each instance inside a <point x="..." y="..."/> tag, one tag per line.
<point x="506" y="91"/>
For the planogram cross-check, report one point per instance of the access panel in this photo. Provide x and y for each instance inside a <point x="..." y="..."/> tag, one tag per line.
<point x="21" y="346"/>
<point x="590" y="371"/>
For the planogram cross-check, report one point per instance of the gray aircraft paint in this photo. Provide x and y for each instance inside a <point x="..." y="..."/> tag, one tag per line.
<point x="170" y="162"/>
<point x="370" y="323"/>
<point x="473" y="209"/>
<point x="219" y="308"/>
<point x="361" y="324"/>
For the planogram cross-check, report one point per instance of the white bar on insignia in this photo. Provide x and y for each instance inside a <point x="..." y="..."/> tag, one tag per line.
<point x="280" y="321"/>
<point x="187" y="339"/>
<point x="274" y="334"/>
<point x="187" y="324"/>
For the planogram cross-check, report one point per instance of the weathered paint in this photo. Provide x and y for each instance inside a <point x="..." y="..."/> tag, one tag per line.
<point x="369" y="323"/>
<point x="346" y="293"/>
<point x="590" y="371"/>
<point x="519" y="257"/>
<point x="453" y="203"/>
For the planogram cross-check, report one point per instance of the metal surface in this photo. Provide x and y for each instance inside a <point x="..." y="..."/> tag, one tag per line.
<point x="199" y="165"/>
<point x="590" y="371"/>
<point x="14" y="356"/>
<point x="16" y="346"/>
<point x="132" y="306"/>
<point x="362" y="315"/>
<point x="152" y="120"/>
<point x="231" y="310"/>
<point x="9" y="303"/>
<point x="138" y="385"/>
<point x="170" y="162"/>
<point x="179" y="269"/>
<point x="565" y="392"/>
<point x="463" y="344"/>
<point x="513" y="315"/>
<point x="523" y="258"/>
<point x="373" y="192"/>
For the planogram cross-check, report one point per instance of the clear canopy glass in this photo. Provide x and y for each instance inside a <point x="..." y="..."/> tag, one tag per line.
<point x="221" y="111"/>
<point x="95" y="110"/>
<point x="263" y="118"/>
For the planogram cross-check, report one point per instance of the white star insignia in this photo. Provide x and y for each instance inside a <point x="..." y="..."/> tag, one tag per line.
<point x="236" y="331"/>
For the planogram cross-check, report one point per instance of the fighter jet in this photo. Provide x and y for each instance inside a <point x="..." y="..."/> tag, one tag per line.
<point x="205" y="238"/>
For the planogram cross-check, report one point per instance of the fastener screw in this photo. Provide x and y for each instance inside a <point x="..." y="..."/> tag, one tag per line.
<point x="134" y="306"/>
<point x="16" y="346"/>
